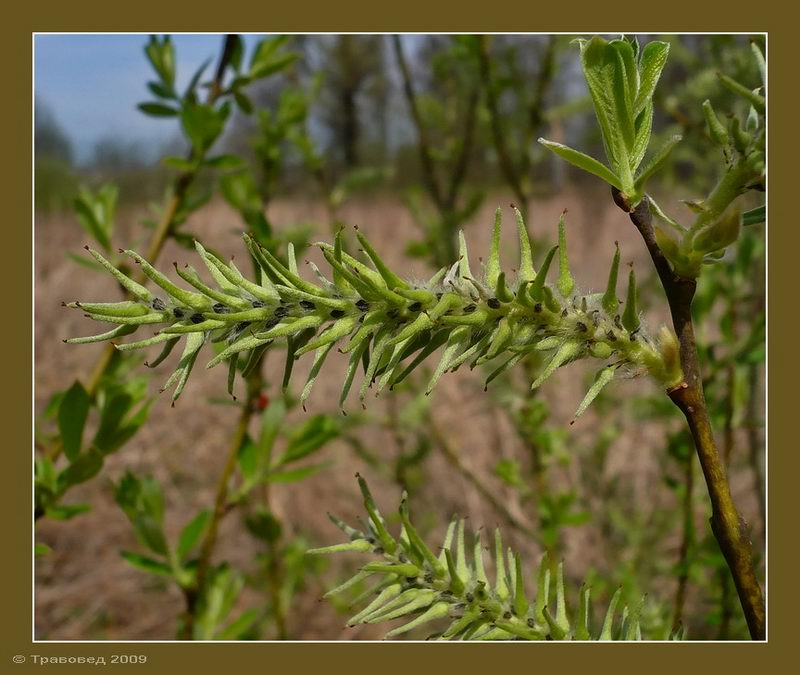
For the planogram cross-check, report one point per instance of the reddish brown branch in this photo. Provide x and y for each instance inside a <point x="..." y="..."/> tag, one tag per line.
<point x="727" y="525"/>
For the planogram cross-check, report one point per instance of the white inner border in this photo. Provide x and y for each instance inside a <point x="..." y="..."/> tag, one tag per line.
<point x="387" y="642"/>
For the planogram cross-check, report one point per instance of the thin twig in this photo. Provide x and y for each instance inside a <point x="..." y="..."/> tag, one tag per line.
<point x="274" y="570"/>
<point x="498" y="137"/>
<point x="516" y="173"/>
<point x="536" y="115"/>
<point x="728" y="441"/>
<point x="160" y="236"/>
<point x="424" y="145"/>
<point x="195" y="593"/>
<point x="443" y="194"/>
<point x="754" y="444"/>
<point x="467" y="137"/>
<point x="538" y="466"/>
<point x="452" y="456"/>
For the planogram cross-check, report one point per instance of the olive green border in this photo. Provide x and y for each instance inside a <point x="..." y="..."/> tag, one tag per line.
<point x="410" y="16"/>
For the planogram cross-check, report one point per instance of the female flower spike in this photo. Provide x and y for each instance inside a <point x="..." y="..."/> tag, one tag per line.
<point x="450" y="595"/>
<point x="388" y="323"/>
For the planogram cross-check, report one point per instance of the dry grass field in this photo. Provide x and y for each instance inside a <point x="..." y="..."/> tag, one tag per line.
<point x="84" y="590"/>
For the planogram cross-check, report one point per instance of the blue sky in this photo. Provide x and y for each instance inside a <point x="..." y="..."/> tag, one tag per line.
<point x="92" y="84"/>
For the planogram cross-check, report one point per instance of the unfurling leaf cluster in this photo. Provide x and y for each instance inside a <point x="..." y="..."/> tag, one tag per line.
<point x="717" y="224"/>
<point x="621" y="80"/>
<point x="384" y="323"/>
<point x="449" y="592"/>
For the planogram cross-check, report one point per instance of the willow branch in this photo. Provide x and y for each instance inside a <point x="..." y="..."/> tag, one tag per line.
<point x="727" y="525"/>
<point x="195" y="593"/>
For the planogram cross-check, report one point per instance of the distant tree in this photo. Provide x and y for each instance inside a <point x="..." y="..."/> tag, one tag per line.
<point x="50" y="139"/>
<point x="353" y="71"/>
<point x="115" y="154"/>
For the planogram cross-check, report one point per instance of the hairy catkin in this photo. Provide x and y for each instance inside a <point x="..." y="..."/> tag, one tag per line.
<point x="388" y="323"/>
<point x="451" y="596"/>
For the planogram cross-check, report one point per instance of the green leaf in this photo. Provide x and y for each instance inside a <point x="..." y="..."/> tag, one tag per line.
<point x="225" y="162"/>
<point x="238" y="629"/>
<point x="72" y="414"/>
<point x="654" y="57"/>
<point x="248" y="461"/>
<point x="265" y="50"/>
<point x="602" y="70"/>
<point x="158" y="109"/>
<point x="277" y="64"/>
<point x="309" y="438"/>
<point x="45" y="481"/>
<point x="143" y="504"/>
<point x="116" y="406"/>
<point x="244" y="103"/>
<point x="296" y="475"/>
<point x="624" y="89"/>
<point x="40" y="549"/>
<point x="237" y="52"/>
<point x="90" y="216"/>
<point x="125" y="431"/>
<point x="656" y="162"/>
<point x="202" y="124"/>
<point x="643" y="128"/>
<point x="223" y="589"/>
<point x="150" y="533"/>
<point x="263" y="525"/>
<point x="67" y="511"/>
<point x="583" y="161"/>
<point x="159" y="90"/>
<point x="240" y="191"/>
<point x="146" y="564"/>
<point x="192" y="533"/>
<point x="83" y="467"/>
<point x="190" y="88"/>
<point x="179" y="163"/>
<point x="755" y="216"/>
<point x="161" y="54"/>
<point x="272" y="420"/>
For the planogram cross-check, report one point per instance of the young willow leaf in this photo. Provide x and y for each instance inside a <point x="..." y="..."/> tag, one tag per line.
<point x="583" y="161"/>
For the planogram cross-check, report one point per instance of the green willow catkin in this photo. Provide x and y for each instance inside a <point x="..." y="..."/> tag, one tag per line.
<point x="384" y="322"/>
<point x="450" y="593"/>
